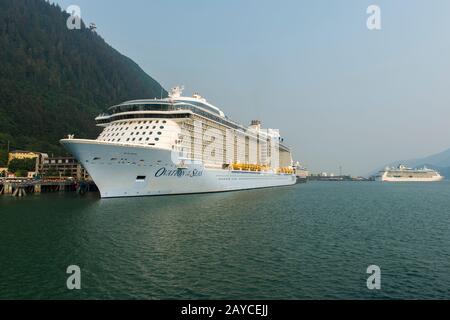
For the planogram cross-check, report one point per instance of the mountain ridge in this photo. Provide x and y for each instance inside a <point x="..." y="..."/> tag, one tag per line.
<point x="54" y="81"/>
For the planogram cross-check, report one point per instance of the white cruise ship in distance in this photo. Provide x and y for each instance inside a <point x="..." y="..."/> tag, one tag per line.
<point x="404" y="174"/>
<point x="301" y="172"/>
<point x="180" y="145"/>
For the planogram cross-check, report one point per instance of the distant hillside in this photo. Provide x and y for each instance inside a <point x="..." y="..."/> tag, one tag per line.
<point x="54" y="81"/>
<point x="439" y="161"/>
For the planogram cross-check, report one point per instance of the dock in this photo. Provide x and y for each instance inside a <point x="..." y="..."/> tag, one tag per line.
<point x="337" y="178"/>
<point x="21" y="188"/>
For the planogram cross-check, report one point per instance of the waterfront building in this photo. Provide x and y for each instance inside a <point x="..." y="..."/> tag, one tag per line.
<point x="63" y="167"/>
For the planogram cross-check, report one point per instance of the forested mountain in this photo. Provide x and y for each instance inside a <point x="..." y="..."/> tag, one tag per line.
<point x="54" y="81"/>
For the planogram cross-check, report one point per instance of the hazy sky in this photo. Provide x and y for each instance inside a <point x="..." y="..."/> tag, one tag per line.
<point x="340" y="94"/>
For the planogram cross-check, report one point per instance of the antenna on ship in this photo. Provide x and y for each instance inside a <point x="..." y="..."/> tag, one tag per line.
<point x="176" y="92"/>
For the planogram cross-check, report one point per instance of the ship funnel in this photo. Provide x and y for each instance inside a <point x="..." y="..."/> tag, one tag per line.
<point x="255" y="125"/>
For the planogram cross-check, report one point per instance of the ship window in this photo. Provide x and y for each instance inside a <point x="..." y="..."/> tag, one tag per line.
<point x="157" y="121"/>
<point x="131" y="133"/>
<point x="141" y="128"/>
<point x="156" y="139"/>
<point x="140" y="139"/>
<point x="164" y="121"/>
<point x="141" y="178"/>
<point x="159" y="133"/>
<point x="147" y="139"/>
<point x="133" y="139"/>
<point x="162" y="127"/>
<point x="154" y="127"/>
<point x="96" y="158"/>
<point x="128" y="139"/>
<point x="151" y="132"/>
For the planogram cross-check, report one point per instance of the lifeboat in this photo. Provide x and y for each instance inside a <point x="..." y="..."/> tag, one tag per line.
<point x="249" y="167"/>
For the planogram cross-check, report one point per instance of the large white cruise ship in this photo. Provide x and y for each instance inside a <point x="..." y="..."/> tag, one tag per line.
<point x="404" y="174"/>
<point x="180" y="145"/>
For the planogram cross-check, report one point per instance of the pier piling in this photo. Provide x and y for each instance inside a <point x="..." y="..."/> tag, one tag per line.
<point x="23" y="187"/>
<point x="8" y="188"/>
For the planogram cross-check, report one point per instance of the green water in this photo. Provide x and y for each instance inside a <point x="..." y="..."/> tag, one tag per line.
<point x="311" y="241"/>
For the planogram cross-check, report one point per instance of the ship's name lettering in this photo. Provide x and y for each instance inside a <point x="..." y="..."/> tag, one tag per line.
<point x="164" y="172"/>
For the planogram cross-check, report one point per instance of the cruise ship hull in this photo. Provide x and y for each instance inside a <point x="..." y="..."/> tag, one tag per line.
<point x="385" y="178"/>
<point x="131" y="171"/>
